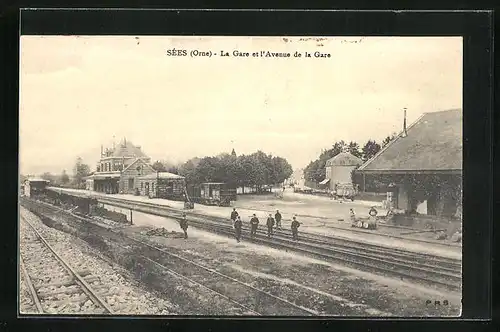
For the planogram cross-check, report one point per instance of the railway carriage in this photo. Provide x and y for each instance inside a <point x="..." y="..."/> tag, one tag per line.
<point x="212" y="193"/>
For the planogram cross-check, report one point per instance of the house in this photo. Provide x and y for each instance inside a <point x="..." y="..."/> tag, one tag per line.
<point x="118" y="169"/>
<point x="162" y="185"/>
<point x="423" y="165"/>
<point x="339" y="169"/>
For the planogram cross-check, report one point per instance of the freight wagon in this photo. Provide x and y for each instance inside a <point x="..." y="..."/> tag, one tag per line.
<point x="211" y="193"/>
<point x="34" y="187"/>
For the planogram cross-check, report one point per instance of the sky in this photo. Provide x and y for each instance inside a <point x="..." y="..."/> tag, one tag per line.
<point x="78" y="92"/>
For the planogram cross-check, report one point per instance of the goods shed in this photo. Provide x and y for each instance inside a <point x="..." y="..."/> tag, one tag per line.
<point x="423" y="166"/>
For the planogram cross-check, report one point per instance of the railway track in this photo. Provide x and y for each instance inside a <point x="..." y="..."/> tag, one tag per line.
<point x="54" y="285"/>
<point x="250" y="299"/>
<point x="245" y="298"/>
<point x="415" y="267"/>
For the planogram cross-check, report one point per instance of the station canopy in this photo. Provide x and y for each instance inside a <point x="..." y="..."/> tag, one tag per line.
<point x="433" y="144"/>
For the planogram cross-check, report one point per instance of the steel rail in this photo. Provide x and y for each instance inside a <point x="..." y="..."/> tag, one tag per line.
<point x="27" y="278"/>
<point x="87" y="289"/>
<point x="176" y="274"/>
<point x="364" y="245"/>
<point x="225" y="276"/>
<point x="205" y="225"/>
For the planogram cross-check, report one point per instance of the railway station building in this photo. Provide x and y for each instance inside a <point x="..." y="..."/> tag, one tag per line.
<point x="423" y="166"/>
<point x="119" y="168"/>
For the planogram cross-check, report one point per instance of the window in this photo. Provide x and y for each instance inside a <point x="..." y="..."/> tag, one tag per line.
<point x="142" y="185"/>
<point x="131" y="183"/>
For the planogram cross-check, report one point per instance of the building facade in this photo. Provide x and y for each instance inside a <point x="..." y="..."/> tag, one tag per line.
<point x="339" y="169"/>
<point x="162" y="185"/>
<point x="119" y="168"/>
<point x="423" y="166"/>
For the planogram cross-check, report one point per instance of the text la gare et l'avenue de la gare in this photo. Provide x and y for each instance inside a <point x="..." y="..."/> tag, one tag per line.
<point x="239" y="54"/>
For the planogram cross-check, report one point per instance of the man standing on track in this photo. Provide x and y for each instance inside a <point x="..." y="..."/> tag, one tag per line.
<point x="295" y="229"/>
<point x="184" y="225"/>
<point x="234" y="214"/>
<point x="237" y="228"/>
<point x="270" y="224"/>
<point x="277" y="217"/>
<point x="254" y="223"/>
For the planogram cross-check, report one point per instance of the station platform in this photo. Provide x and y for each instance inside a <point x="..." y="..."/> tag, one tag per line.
<point x="338" y="224"/>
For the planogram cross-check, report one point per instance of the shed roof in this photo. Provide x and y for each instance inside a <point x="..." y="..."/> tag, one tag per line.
<point x="162" y="175"/>
<point x="344" y="159"/>
<point x="36" y="180"/>
<point x="433" y="144"/>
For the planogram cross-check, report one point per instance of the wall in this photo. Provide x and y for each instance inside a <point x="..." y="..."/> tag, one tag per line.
<point x="339" y="174"/>
<point x="27" y="189"/>
<point x="132" y="173"/>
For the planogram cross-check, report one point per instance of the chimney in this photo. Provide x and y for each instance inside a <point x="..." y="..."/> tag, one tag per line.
<point x="405" y="133"/>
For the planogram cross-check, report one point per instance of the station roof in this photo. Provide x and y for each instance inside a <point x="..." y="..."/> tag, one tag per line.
<point x="344" y="159"/>
<point x="127" y="149"/>
<point x="433" y="145"/>
<point x="162" y="175"/>
<point x="104" y="175"/>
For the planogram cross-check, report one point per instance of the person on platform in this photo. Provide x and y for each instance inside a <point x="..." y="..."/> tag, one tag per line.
<point x="234" y="214"/>
<point x="372" y="220"/>
<point x="254" y="223"/>
<point x="237" y="228"/>
<point x="277" y="218"/>
<point x="270" y="224"/>
<point x="184" y="225"/>
<point x="295" y="228"/>
<point x="353" y="218"/>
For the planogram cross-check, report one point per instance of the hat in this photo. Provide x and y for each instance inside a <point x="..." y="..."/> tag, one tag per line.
<point x="294" y="217"/>
<point x="254" y="214"/>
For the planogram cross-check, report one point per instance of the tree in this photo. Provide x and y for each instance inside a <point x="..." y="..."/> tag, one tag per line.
<point x="388" y="139"/>
<point x="80" y="171"/>
<point x="354" y="149"/>
<point x="47" y="176"/>
<point x="233" y="153"/>
<point x="370" y="149"/>
<point x="173" y="170"/>
<point x="64" y="178"/>
<point x="158" y="166"/>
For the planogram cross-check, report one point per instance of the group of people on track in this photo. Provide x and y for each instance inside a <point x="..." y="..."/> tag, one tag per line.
<point x="273" y="223"/>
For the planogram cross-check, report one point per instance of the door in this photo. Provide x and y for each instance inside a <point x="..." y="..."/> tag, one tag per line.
<point x="146" y="189"/>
